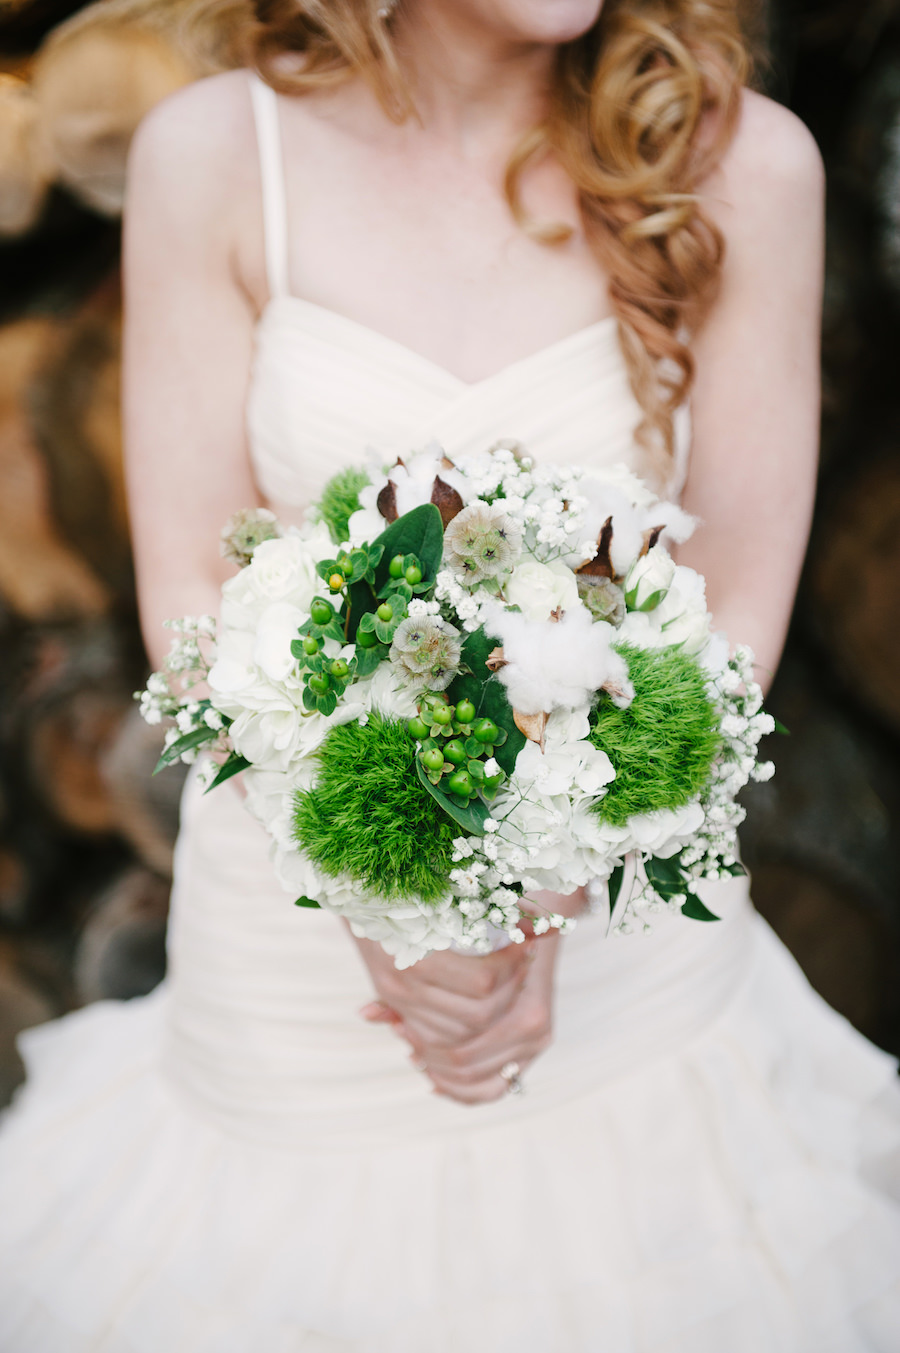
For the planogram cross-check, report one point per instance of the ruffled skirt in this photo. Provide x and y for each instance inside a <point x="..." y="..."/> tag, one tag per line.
<point x="726" y="1197"/>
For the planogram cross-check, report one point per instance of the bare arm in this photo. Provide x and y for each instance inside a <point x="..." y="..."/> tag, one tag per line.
<point x="756" y="400"/>
<point x="187" y="352"/>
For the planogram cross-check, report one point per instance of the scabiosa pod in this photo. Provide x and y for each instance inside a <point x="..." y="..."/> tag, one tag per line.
<point x="246" y="529"/>
<point x="481" y="542"/>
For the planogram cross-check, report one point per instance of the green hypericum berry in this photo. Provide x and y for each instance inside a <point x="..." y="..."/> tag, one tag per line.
<point x="465" y="711"/>
<point x="418" y="728"/>
<point x="318" y="684"/>
<point x="433" y="760"/>
<point x="442" y="715"/>
<point x="366" y="638"/>
<point x="485" y="730"/>
<point x="336" y="581"/>
<point x="455" y="752"/>
<point x="320" y="611"/>
<point x="395" y="567"/>
<point x="339" y="669"/>
<point x="385" y="611"/>
<point x="413" y="575"/>
<point x="460" y="782"/>
<point x="310" y="646"/>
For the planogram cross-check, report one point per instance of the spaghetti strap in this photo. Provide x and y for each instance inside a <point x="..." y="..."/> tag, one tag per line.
<point x="271" y="168"/>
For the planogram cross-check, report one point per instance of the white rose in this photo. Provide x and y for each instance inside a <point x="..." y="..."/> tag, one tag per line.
<point x="277" y="738"/>
<point x="649" y="579"/>
<point x="277" y="628"/>
<point x="281" y="570"/>
<point x="540" y="589"/>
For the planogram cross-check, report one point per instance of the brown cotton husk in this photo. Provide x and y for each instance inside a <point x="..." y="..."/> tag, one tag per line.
<point x="651" y="538"/>
<point x="447" y="501"/>
<point x="386" y="502"/>
<point x="534" y="726"/>
<point x="601" y="566"/>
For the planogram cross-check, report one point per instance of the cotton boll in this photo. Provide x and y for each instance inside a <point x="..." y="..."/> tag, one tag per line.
<point x="555" y="665"/>
<point x="605" y="501"/>
<point x="620" y="477"/>
<point x="679" y="525"/>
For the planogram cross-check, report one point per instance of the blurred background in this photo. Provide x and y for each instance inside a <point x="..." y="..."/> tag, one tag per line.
<point x="85" y="834"/>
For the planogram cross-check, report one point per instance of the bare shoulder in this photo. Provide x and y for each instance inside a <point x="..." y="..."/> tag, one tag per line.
<point x="198" y="144"/>
<point x="772" y="165"/>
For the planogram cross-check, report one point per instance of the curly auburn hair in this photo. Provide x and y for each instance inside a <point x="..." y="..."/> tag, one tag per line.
<point x="642" y="107"/>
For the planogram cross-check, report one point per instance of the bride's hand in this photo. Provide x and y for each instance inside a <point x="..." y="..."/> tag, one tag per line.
<point x="470" y="1071"/>
<point x="445" y="999"/>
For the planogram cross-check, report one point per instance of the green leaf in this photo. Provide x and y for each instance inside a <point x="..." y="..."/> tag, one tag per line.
<point x="471" y="815"/>
<point x="780" y="728"/>
<point x="327" y="703"/>
<point x="420" y="532"/>
<point x="384" y="629"/>
<point x="233" y="766"/>
<point x="360" y="603"/>
<point x="366" y="623"/>
<point x="615" y="886"/>
<point x="186" y="743"/>
<point x="695" y="909"/>
<point x="368" y="659"/>
<point x="488" y="695"/>
<point x="306" y="902"/>
<point x="665" y="876"/>
<point x="736" y="870"/>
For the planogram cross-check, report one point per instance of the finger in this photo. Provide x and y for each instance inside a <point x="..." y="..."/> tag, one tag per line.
<point x="427" y="1032"/>
<point x="475" y="977"/>
<point x="485" y="1092"/>
<point x="487" y="1071"/>
<point x="469" y="1016"/>
<point x="376" y="1012"/>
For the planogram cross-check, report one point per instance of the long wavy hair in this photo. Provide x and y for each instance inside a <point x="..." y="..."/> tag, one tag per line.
<point x="641" y="108"/>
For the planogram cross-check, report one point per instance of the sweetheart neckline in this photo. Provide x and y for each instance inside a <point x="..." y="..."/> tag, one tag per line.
<point x="366" y="331"/>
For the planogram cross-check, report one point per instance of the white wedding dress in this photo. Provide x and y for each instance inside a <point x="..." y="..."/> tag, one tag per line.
<point x="238" y="1162"/>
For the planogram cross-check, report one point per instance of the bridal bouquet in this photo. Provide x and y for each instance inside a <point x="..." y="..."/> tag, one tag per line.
<point x="461" y="682"/>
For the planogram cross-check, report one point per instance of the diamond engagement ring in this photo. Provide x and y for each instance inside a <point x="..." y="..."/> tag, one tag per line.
<point x="511" y="1073"/>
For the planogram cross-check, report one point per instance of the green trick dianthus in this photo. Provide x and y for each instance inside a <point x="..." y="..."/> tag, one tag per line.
<point x="663" y="745"/>
<point x="340" y="499"/>
<point x="369" y="816"/>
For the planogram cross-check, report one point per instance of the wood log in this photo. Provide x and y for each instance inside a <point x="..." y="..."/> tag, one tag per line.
<point x="22" y="1005"/>
<point x="13" y="885"/>
<point x="854" y="576"/>
<point x="146" y="805"/>
<point x="101" y="71"/>
<point x="41" y="577"/>
<point x="121" y="952"/>
<point x="74" y="407"/>
<point x="25" y="172"/>
<point x="66" y="743"/>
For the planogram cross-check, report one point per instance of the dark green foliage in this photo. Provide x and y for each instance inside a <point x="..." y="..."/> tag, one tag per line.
<point x="370" y="817"/>
<point x="663" y="745"/>
<point x="488" y="695"/>
<point x="420" y="533"/>
<point x="340" y="499"/>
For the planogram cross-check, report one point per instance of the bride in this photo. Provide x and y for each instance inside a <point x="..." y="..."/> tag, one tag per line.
<point x="560" y="221"/>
